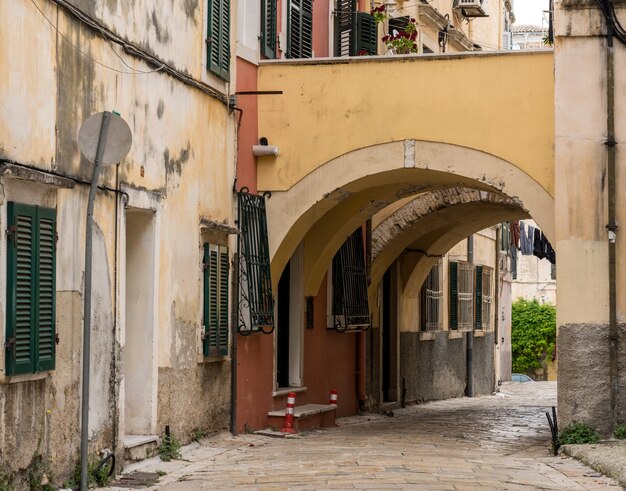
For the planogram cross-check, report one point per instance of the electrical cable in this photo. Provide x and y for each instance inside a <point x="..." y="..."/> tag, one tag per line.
<point x="80" y="50"/>
<point x="613" y="23"/>
<point x="131" y="49"/>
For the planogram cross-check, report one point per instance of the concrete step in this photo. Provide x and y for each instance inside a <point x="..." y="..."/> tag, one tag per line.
<point x="306" y="417"/>
<point x="139" y="447"/>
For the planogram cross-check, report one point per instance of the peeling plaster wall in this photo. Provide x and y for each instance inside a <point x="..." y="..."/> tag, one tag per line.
<point x="181" y="167"/>
<point x="582" y="214"/>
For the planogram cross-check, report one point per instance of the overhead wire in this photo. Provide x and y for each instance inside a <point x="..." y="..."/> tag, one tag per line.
<point x="613" y="23"/>
<point x="131" y="49"/>
<point x="86" y="55"/>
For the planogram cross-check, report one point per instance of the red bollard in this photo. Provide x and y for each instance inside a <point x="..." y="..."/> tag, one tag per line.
<point x="291" y="402"/>
<point x="333" y="397"/>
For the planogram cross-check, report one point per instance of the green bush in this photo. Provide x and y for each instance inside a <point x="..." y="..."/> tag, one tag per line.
<point x="620" y="432"/>
<point x="170" y="448"/>
<point x="578" y="433"/>
<point x="95" y="476"/>
<point x="533" y="334"/>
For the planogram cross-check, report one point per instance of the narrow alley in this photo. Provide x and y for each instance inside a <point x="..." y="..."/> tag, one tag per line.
<point x="490" y="442"/>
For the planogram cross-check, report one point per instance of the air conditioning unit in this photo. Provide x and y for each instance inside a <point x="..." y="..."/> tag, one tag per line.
<point x="470" y="8"/>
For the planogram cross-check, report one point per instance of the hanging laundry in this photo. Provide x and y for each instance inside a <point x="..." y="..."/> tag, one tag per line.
<point x="515" y="234"/>
<point x="550" y="254"/>
<point x="538" y="246"/>
<point x="526" y="239"/>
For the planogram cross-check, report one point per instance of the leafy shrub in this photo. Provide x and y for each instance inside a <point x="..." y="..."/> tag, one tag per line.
<point x="170" y="448"/>
<point x="533" y="334"/>
<point x="95" y="476"/>
<point x="578" y="433"/>
<point x="620" y="432"/>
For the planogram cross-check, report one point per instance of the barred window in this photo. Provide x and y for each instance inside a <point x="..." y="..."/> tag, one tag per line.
<point x="431" y="300"/>
<point x="484" y="297"/>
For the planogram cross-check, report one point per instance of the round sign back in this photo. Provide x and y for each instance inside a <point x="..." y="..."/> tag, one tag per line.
<point x="117" y="144"/>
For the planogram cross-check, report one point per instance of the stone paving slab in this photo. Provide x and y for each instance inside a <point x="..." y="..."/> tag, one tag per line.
<point x="498" y="442"/>
<point x="607" y="457"/>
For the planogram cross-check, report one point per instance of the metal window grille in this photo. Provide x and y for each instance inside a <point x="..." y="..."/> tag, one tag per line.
<point x="350" y="307"/>
<point x="465" y="295"/>
<point x="487" y="297"/>
<point x="256" y="303"/>
<point x="432" y="299"/>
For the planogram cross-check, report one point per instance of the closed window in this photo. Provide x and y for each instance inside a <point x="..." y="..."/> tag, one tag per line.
<point x="300" y="30"/>
<point x="31" y="293"/>
<point x="218" y="38"/>
<point x="461" y="286"/>
<point x="431" y="299"/>
<point x="484" y="297"/>
<point x="356" y="33"/>
<point x="216" y="266"/>
<point x="268" y="28"/>
<point x="350" y="307"/>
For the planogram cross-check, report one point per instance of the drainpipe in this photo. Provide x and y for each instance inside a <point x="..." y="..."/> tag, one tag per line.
<point x="469" y="335"/>
<point x="233" y="346"/>
<point x="361" y="369"/>
<point x="496" y="311"/>
<point x="612" y="225"/>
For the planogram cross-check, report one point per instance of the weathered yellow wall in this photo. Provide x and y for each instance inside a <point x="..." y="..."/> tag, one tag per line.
<point x="484" y="102"/>
<point x="181" y="167"/>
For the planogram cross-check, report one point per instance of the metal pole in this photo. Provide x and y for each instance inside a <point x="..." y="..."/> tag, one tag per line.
<point x="84" y="425"/>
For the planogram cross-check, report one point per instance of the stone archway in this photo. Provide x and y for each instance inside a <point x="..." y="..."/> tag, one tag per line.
<point x="324" y="207"/>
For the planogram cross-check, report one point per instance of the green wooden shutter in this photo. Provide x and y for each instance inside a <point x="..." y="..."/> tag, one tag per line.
<point x="454" y="295"/>
<point x="300" y="32"/>
<point x="479" y="297"/>
<point x="218" y="38"/>
<point x="211" y="313"/>
<point x="268" y="28"/>
<point x="344" y="26"/>
<point x="31" y="289"/>
<point x="366" y="35"/>
<point x="20" y="346"/>
<point x="45" y="284"/>
<point x="222" y="337"/>
<point x="205" y="297"/>
<point x="213" y="299"/>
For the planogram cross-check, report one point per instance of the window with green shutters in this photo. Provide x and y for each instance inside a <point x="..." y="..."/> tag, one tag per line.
<point x="478" y="310"/>
<point x="356" y="32"/>
<point x="483" y="297"/>
<point x="31" y="267"/>
<point x="215" y="316"/>
<point x="300" y="29"/>
<point x="268" y="28"/>
<point x="218" y="38"/>
<point x="461" y="288"/>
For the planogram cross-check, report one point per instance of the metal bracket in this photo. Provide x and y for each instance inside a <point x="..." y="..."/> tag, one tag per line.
<point x="11" y="230"/>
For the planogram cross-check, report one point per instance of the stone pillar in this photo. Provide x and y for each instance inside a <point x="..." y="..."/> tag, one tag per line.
<point x="581" y="212"/>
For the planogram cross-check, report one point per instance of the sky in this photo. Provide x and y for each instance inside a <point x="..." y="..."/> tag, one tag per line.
<point x="529" y="11"/>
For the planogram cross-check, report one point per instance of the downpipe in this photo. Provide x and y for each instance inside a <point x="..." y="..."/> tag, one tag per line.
<point x="610" y="144"/>
<point x="469" y="335"/>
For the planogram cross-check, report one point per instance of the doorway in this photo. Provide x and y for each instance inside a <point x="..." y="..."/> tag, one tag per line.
<point x="390" y="337"/>
<point x="140" y="369"/>
<point x="290" y="324"/>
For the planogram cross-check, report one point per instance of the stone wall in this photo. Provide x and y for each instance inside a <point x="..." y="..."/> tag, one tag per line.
<point x="436" y="369"/>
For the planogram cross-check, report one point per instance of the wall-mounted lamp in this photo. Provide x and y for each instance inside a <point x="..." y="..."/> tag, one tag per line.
<point x="263" y="149"/>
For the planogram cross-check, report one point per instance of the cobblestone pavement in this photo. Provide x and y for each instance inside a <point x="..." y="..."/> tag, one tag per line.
<point x="492" y="442"/>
